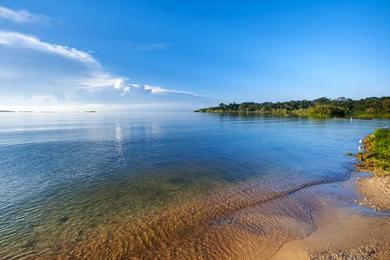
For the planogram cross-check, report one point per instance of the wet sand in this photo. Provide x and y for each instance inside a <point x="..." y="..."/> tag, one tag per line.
<point x="347" y="232"/>
<point x="342" y="235"/>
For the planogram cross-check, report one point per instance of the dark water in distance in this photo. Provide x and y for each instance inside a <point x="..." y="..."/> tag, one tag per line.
<point x="63" y="176"/>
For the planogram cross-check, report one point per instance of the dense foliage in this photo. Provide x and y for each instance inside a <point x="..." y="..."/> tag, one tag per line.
<point x="372" y="107"/>
<point x="376" y="155"/>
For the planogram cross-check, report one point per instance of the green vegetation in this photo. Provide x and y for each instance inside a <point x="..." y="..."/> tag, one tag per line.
<point x="372" y="107"/>
<point x="376" y="155"/>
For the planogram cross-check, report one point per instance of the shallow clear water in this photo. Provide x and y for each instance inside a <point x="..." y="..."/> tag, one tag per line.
<point x="64" y="177"/>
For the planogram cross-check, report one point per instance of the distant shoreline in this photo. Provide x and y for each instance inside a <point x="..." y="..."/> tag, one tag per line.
<point x="290" y="115"/>
<point x="367" y="108"/>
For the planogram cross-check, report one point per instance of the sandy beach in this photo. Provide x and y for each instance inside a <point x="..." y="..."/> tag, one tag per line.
<point x="347" y="233"/>
<point x="376" y="192"/>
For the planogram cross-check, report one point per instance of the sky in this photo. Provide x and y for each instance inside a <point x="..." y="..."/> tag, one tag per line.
<point x="145" y="55"/>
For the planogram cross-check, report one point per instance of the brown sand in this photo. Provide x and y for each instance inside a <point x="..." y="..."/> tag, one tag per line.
<point x="344" y="233"/>
<point x="376" y="192"/>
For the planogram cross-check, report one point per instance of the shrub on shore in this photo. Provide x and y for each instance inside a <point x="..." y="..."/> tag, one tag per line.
<point x="376" y="155"/>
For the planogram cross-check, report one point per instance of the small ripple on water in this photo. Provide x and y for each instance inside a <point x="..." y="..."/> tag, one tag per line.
<point x="74" y="190"/>
<point x="241" y="220"/>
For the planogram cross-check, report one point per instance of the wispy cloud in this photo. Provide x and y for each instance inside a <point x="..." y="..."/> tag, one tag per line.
<point x="19" y="40"/>
<point x="149" y="46"/>
<point x="95" y="77"/>
<point x="161" y="90"/>
<point x="20" y="16"/>
<point x="101" y="80"/>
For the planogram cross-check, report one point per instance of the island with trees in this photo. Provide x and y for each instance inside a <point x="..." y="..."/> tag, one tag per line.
<point x="372" y="107"/>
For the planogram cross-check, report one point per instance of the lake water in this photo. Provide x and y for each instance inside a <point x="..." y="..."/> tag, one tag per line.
<point x="162" y="185"/>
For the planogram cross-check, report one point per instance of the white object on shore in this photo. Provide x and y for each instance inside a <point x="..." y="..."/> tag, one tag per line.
<point x="360" y="145"/>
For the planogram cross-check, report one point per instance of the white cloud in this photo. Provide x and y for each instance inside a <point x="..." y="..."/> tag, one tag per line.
<point x="19" y="40"/>
<point x="99" y="79"/>
<point x="161" y="90"/>
<point x="70" y="75"/>
<point x="102" y="80"/>
<point x="20" y="16"/>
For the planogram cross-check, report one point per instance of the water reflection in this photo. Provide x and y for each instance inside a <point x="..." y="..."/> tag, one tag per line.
<point x="118" y="133"/>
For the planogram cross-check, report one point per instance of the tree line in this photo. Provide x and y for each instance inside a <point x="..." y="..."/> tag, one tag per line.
<point x="372" y="107"/>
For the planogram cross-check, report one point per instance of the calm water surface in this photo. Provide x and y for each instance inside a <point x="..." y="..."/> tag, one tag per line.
<point x="68" y="180"/>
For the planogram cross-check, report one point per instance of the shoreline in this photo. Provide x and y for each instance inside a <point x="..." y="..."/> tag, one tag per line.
<point x="375" y="160"/>
<point x="321" y="107"/>
<point x="265" y="114"/>
<point x="342" y="232"/>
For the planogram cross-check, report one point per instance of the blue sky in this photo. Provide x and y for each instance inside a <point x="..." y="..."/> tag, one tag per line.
<point x="186" y="54"/>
